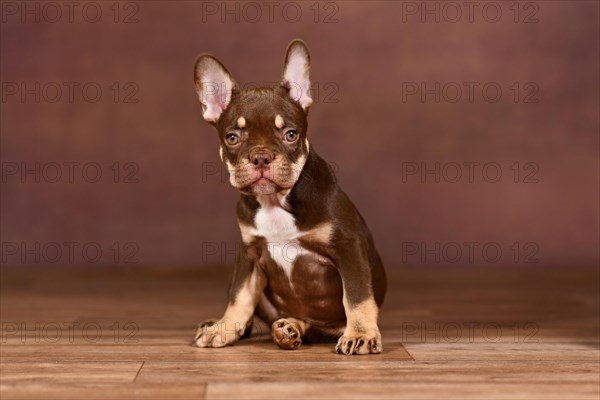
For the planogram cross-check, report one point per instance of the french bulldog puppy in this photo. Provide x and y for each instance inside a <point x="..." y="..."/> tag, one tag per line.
<point x="307" y="263"/>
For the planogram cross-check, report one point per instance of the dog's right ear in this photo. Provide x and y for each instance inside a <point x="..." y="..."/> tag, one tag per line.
<point x="214" y="85"/>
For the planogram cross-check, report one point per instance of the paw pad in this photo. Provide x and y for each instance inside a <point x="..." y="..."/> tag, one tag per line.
<point x="286" y="334"/>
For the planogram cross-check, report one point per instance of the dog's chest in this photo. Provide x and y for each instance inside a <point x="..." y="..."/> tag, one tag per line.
<point x="279" y="229"/>
<point x="276" y="225"/>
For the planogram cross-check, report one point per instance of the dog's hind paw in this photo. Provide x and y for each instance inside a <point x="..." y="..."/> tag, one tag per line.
<point x="286" y="334"/>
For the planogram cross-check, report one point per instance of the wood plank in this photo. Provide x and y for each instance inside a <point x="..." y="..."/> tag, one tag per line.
<point x="78" y="391"/>
<point x="504" y="351"/>
<point x="68" y="372"/>
<point x="404" y="390"/>
<point x="252" y="350"/>
<point x="423" y="356"/>
<point x="524" y="372"/>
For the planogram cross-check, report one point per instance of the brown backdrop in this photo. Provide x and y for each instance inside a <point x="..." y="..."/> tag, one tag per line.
<point x="401" y="89"/>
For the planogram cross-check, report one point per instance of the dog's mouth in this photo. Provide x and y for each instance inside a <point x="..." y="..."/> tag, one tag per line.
<point x="275" y="178"/>
<point x="262" y="181"/>
<point x="264" y="186"/>
<point x="261" y="185"/>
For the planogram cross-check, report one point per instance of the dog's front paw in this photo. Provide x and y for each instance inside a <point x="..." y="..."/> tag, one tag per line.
<point x="217" y="333"/>
<point x="286" y="334"/>
<point x="359" y="343"/>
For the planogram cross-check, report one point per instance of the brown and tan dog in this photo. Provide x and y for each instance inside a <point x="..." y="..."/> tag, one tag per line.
<point x="307" y="263"/>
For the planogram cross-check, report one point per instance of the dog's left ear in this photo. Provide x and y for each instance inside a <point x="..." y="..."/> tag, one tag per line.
<point x="295" y="73"/>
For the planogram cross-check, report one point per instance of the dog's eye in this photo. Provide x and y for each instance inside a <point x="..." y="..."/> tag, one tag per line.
<point x="291" y="136"/>
<point x="232" y="139"/>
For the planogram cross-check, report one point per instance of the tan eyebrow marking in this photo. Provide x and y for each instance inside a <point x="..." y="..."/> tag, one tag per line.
<point x="241" y="122"/>
<point x="279" y="121"/>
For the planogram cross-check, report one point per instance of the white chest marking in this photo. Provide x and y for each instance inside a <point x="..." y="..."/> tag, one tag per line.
<point x="278" y="227"/>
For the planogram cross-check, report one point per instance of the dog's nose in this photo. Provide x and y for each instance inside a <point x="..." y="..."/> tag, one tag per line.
<point x="261" y="157"/>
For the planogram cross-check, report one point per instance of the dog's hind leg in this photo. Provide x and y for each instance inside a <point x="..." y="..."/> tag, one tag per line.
<point x="287" y="332"/>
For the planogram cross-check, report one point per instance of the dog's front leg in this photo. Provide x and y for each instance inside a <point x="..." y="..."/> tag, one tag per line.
<point x="361" y="335"/>
<point x="247" y="285"/>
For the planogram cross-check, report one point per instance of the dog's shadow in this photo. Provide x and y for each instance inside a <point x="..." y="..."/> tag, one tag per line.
<point x="263" y="347"/>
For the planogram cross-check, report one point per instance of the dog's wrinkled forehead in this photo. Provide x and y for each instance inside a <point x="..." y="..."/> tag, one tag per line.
<point x="261" y="110"/>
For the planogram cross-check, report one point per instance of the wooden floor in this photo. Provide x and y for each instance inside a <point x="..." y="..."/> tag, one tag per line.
<point x="476" y="333"/>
